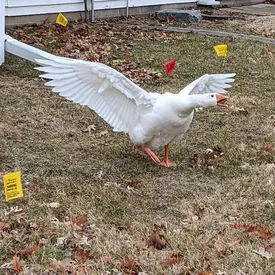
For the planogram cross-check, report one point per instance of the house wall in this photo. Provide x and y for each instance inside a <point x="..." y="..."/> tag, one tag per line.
<point x="236" y="3"/>
<point x="2" y="34"/>
<point x="20" y="12"/>
<point x="35" y="7"/>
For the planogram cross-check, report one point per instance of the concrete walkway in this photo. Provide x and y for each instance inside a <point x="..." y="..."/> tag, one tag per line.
<point x="259" y="9"/>
<point x="211" y="33"/>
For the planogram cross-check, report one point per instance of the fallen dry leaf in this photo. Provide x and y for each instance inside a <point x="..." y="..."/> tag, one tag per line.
<point x="210" y="158"/>
<point x="245" y="270"/>
<point x="108" y="260"/>
<point x="157" y="241"/>
<point x="172" y="260"/>
<point x="66" y="266"/>
<point x="258" y="230"/>
<point x="200" y="160"/>
<point x="242" y="111"/>
<point x="161" y="228"/>
<point x="5" y="225"/>
<point x="134" y="183"/>
<point x="271" y="249"/>
<point x="268" y="149"/>
<point x="201" y="211"/>
<point x="102" y="133"/>
<point x="96" y="43"/>
<point x="130" y="266"/>
<point x="81" y="255"/>
<point x="79" y="222"/>
<point x="224" y="247"/>
<point x="90" y="128"/>
<point x="141" y="245"/>
<point x="269" y="50"/>
<point x="17" y="264"/>
<point x="81" y="270"/>
<point x="220" y="246"/>
<point x="28" y="252"/>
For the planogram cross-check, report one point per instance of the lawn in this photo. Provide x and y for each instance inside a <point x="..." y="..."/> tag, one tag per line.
<point x="210" y="214"/>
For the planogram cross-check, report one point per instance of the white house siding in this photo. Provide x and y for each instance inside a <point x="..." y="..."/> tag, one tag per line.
<point x="36" y="7"/>
<point x="2" y="33"/>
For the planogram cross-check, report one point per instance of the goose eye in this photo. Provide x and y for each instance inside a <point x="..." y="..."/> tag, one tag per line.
<point x="212" y="95"/>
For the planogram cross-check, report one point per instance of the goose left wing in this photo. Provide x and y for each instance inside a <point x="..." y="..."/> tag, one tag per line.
<point x="209" y="83"/>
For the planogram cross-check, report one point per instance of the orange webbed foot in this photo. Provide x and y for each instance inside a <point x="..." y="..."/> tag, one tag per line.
<point x="150" y="153"/>
<point x="168" y="163"/>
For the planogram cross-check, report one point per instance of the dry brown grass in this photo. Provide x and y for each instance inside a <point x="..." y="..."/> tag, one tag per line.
<point x="241" y="23"/>
<point x="42" y="135"/>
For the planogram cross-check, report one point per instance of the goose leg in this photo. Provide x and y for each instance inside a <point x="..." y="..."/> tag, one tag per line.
<point x="149" y="152"/>
<point x="166" y="162"/>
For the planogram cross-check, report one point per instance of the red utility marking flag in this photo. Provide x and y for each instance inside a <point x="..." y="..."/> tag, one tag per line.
<point x="170" y="66"/>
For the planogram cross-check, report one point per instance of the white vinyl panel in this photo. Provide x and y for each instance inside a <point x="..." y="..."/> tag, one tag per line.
<point x="27" y="3"/>
<point x="2" y="34"/>
<point x="17" y="11"/>
<point x="20" y="7"/>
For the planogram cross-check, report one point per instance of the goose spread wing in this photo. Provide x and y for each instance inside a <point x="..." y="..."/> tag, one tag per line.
<point x="106" y="91"/>
<point x="209" y="83"/>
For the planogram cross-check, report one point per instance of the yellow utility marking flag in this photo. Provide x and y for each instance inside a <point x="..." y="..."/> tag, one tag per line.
<point x="13" y="186"/>
<point x="221" y="50"/>
<point x="61" y="20"/>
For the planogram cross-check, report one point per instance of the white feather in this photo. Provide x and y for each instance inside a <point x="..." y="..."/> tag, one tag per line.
<point x="209" y="83"/>
<point x="151" y="119"/>
<point x="71" y="78"/>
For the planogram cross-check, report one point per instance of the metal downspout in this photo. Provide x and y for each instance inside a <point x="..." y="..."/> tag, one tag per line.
<point x="92" y="12"/>
<point x="86" y="10"/>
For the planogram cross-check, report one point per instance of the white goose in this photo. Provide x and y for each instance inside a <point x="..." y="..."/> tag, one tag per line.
<point x="152" y="120"/>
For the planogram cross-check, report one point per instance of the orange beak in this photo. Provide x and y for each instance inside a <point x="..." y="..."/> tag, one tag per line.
<point x="221" y="100"/>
